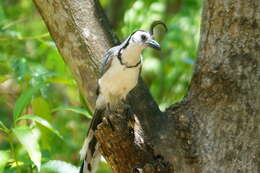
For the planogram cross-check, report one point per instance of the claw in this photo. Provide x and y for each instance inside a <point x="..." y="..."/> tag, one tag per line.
<point x="109" y="123"/>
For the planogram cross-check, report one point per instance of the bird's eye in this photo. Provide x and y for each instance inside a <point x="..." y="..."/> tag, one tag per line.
<point x="143" y="37"/>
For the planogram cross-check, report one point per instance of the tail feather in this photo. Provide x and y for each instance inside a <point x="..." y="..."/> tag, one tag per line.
<point x="90" y="164"/>
<point x="89" y="152"/>
<point x="81" y="167"/>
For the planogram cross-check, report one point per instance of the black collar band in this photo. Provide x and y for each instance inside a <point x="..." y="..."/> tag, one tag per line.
<point x="128" y="66"/>
<point x="120" y="54"/>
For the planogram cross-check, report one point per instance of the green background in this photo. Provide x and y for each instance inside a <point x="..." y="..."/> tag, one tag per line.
<point x="35" y="81"/>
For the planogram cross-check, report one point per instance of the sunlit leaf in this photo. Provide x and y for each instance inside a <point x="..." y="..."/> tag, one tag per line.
<point x="62" y="80"/>
<point x="4" y="157"/>
<point x="41" y="108"/>
<point x="58" y="166"/>
<point x="73" y="109"/>
<point x="103" y="166"/>
<point x="15" y="164"/>
<point x="29" y="140"/>
<point x="3" y="78"/>
<point x="42" y="122"/>
<point x="24" y="100"/>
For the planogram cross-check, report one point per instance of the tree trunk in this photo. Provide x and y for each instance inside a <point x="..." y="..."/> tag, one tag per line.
<point x="214" y="129"/>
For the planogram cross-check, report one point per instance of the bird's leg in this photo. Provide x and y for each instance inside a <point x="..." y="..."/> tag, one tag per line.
<point x="125" y="106"/>
<point x="109" y="123"/>
<point x="112" y="109"/>
<point x="109" y="108"/>
<point x="120" y="108"/>
<point x="124" y="101"/>
<point x="108" y="119"/>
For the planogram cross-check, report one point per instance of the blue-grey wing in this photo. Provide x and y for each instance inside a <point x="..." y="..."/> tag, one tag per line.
<point x="111" y="53"/>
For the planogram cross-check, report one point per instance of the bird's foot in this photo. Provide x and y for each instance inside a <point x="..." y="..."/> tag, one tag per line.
<point x="108" y="121"/>
<point x="112" y="110"/>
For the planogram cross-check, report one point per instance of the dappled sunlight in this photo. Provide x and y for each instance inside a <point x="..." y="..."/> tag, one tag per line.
<point x="56" y="110"/>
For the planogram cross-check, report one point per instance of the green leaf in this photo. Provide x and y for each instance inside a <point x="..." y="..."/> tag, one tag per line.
<point x="2" y="124"/>
<point x="62" y="80"/>
<point x="24" y="99"/>
<point x="58" y="166"/>
<point x="5" y="156"/>
<point x="29" y="140"/>
<point x="3" y="78"/>
<point x="41" y="108"/>
<point x="42" y="122"/>
<point x="4" y="128"/>
<point x="73" y="109"/>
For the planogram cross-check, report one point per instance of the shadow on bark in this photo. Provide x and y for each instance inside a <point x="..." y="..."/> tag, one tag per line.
<point x="214" y="129"/>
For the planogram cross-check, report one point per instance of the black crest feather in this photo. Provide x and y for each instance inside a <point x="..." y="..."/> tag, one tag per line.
<point x="155" y="23"/>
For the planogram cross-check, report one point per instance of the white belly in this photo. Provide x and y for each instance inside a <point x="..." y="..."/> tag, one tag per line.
<point x="118" y="81"/>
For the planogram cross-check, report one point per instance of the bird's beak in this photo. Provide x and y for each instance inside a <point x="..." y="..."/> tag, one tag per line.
<point x="153" y="44"/>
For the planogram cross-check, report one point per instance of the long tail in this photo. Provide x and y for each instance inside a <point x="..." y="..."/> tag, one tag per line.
<point x="89" y="152"/>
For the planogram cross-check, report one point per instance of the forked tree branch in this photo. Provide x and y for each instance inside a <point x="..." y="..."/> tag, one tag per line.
<point x="82" y="35"/>
<point x="218" y="116"/>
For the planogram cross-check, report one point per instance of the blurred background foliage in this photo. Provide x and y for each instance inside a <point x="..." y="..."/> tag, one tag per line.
<point x="35" y="82"/>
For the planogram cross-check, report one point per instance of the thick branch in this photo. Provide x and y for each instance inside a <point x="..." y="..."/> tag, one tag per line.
<point x="213" y="130"/>
<point x="82" y="35"/>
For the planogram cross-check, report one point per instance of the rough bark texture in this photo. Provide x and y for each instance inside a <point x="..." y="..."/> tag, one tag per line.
<point x="214" y="129"/>
<point x="224" y="95"/>
<point x="82" y="35"/>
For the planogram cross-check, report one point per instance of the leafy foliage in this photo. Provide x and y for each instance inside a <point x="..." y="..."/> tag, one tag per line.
<point x="23" y="100"/>
<point x="5" y="156"/>
<point x="42" y="119"/>
<point x="29" y="140"/>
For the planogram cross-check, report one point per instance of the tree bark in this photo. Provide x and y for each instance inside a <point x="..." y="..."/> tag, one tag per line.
<point x="214" y="129"/>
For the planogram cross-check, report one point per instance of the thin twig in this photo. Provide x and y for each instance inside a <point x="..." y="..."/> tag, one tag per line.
<point x="13" y="23"/>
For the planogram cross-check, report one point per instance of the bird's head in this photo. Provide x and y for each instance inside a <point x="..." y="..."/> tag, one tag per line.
<point x="145" y="39"/>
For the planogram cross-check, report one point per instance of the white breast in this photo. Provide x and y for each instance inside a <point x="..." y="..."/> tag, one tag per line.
<point x="118" y="81"/>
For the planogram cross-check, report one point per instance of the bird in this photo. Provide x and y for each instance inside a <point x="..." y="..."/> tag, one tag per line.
<point x="119" y="74"/>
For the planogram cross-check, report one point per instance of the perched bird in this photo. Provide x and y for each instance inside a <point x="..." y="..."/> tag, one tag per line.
<point x="118" y="75"/>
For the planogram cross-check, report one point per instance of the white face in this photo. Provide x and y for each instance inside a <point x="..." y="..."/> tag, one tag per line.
<point x="144" y="39"/>
<point x="140" y="37"/>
